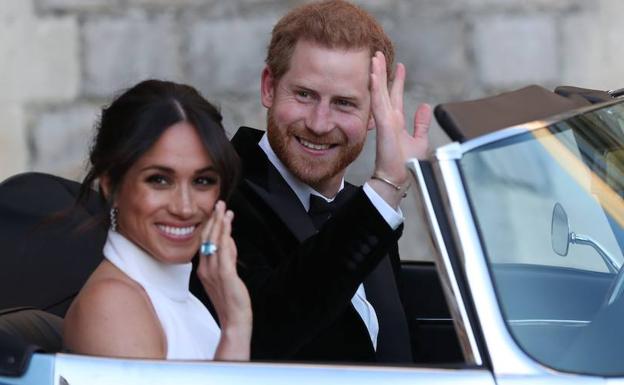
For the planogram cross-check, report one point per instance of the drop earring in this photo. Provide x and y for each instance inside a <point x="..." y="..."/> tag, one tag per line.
<point x="113" y="218"/>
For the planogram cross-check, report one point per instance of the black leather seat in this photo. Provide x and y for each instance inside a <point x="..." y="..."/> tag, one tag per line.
<point x="48" y="249"/>
<point x="41" y="329"/>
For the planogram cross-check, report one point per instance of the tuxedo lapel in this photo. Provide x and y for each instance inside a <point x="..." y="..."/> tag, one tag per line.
<point x="382" y="292"/>
<point x="262" y="177"/>
<point x="286" y="205"/>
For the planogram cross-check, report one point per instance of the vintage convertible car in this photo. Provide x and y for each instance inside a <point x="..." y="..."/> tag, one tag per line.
<point x="525" y="211"/>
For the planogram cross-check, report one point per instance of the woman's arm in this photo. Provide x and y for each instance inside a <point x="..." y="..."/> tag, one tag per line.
<point x="113" y="318"/>
<point x="217" y="273"/>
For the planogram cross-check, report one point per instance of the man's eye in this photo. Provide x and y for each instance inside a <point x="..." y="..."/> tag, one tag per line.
<point x="160" y="180"/>
<point x="303" y="94"/>
<point x="344" y="103"/>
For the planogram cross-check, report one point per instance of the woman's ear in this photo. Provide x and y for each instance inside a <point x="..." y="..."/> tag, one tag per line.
<point x="105" y="187"/>
<point x="267" y="87"/>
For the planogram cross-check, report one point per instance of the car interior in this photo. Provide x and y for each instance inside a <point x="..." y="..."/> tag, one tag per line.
<point x="50" y="246"/>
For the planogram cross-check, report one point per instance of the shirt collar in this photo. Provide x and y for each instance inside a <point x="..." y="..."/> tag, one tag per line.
<point x="300" y="189"/>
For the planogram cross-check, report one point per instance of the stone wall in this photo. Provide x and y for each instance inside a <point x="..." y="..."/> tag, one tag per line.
<point x="62" y="60"/>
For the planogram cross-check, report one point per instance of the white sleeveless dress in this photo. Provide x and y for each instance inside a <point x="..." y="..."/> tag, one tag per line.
<point x="190" y="329"/>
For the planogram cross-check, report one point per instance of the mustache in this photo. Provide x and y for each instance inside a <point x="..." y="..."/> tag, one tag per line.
<point x="334" y="136"/>
<point x="300" y="130"/>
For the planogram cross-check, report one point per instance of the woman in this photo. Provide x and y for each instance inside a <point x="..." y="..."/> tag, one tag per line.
<point x="164" y="165"/>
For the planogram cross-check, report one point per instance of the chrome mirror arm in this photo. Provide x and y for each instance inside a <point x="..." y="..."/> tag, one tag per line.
<point x="608" y="259"/>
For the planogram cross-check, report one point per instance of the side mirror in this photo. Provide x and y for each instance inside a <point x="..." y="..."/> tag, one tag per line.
<point x="560" y="231"/>
<point x="561" y="238"/>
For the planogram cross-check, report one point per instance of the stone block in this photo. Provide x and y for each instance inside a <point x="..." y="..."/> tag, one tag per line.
<point x="39" y="59"/>
<point x="228" y="55"/>
<point x="61" y="140"/>
<point x="581" y="52"/>
<point x="12" y="9"/>
<point x="240" y="111"/>
<point x="168" y="3"/>
<point x="75" y="5"/>
<point x="378" y="7"/>
<point x="434" y="52"/>
<point x="119" y="52"/>
<point x="13" y="141"/>
<point x="590" y="41"/>
<point x="516" y="50"/>
<point x="480" y="7"/>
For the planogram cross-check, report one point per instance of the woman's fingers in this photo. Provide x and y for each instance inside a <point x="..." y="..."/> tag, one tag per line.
<point x="205" y="235"/>
<point x="207" y="263"/>
<point x="226" y="255"/>
<point x="215" y="231"/>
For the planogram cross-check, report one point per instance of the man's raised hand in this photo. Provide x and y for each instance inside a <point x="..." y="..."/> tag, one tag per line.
<point x="394" y="143"/>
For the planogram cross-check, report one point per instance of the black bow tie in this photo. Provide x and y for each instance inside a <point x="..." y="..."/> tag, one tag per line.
<point x="321" y="210"/>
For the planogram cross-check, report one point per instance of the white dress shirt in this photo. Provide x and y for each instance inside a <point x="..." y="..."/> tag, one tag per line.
<point x="392" y="217"/>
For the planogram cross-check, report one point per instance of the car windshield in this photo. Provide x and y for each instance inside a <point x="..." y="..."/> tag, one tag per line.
<point x="548" y="206"/>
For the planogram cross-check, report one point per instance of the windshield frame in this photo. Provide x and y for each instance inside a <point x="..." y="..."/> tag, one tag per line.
<point x="507" y="357"/>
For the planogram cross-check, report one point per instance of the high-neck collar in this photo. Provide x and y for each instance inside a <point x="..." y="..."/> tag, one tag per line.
<point x="302" y="190"/>
<point x="170" y="279"/>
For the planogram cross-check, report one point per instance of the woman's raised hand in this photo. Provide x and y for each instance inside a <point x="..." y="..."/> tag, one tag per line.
<point x="227" y="292"/>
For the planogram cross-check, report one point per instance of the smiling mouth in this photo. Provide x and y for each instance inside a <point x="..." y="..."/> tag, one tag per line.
<point x="177" y="232"/>
<point x="314" y="146"/>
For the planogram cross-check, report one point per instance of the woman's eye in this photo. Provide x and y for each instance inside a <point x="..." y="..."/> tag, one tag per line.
<point x="206" y="181"/>
<point x="160" y="180"/>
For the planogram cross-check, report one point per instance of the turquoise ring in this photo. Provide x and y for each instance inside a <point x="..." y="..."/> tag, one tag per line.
<point x="208" y="248"/>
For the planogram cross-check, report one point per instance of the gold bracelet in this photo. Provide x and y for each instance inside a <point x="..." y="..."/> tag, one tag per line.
<point x="394" y="185"/>
<point x="386" y="181"/>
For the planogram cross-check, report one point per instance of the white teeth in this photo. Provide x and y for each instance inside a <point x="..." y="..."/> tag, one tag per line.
<point x="313" y="146"/>
<point x="177" y="231"/>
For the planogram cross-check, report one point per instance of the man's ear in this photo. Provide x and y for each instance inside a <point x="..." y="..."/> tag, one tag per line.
<point x="371" y="122"/>
<point x="267" y="87"/>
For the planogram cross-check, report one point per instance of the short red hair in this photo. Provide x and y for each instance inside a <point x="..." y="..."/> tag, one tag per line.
<point x="331" y="24"/>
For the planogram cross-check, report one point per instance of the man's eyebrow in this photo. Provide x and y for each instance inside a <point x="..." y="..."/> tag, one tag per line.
<point x="351" y="98"/>
<point x="303" y="87"/>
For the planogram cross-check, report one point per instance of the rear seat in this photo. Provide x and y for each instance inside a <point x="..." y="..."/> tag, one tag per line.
<point x="40" y="329"/>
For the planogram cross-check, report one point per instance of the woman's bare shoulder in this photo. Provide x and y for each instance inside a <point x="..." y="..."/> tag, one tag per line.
<point x="113" y="316"/>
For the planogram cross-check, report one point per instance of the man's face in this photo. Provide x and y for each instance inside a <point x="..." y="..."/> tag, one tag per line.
<point x="318" y="112"/>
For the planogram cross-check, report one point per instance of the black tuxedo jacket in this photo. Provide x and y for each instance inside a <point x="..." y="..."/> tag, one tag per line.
<point x="301" y="280"/>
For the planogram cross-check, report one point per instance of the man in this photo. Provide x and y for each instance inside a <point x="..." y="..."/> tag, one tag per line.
<point x="324" y="289"/>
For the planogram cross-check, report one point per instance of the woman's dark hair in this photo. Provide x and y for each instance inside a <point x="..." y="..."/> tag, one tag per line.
<point x="137" y="118"/>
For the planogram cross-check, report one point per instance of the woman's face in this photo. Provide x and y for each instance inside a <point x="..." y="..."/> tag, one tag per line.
<point x="167" y="196"/>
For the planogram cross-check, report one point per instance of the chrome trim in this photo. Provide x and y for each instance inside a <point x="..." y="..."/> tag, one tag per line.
<point x="558" y="322"/>
<point x="450" y="151"/>
<point x="456" y="150"/>
<point x="506" y="357"/>
<point x="579" y="239"/>
<point x="454" y="297"/>
<point x="84" y="370"/>
<point x="431" y="319"/>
